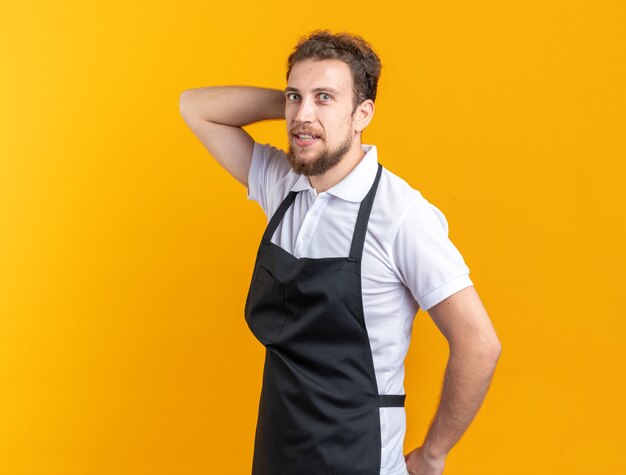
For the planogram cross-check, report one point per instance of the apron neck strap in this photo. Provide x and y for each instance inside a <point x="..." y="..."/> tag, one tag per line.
<point x="278" y="216"/>
<point x="358" y="238"/>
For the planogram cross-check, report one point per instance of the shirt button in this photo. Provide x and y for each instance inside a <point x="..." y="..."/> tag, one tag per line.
<point x="304" y="237"/>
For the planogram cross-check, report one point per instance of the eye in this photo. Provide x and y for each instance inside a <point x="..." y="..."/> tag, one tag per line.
<point x="292" y="96"/>
<point x="325" y="97"/>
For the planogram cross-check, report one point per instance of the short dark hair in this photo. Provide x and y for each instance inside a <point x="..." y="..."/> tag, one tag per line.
<point x="351" y="49"/>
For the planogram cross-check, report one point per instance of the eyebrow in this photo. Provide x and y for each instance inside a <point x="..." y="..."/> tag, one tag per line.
<point x="317" y="89"/>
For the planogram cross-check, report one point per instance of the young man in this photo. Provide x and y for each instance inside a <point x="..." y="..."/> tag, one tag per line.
<point x="350" y="253"/>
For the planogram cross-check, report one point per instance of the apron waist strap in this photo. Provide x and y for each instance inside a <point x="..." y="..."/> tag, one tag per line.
<point x="391" y="400"/>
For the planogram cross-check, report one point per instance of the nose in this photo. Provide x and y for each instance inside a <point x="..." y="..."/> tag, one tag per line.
<point x="305" y="111"/>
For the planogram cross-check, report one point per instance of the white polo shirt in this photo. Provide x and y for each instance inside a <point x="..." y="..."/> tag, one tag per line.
<point x="408" y="260"/>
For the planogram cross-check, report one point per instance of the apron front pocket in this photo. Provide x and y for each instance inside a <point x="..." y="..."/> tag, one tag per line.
<point x="265" y="306"/>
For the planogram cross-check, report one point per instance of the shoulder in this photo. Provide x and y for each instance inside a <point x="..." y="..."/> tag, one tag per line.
<point x="270" y="177"/>
<point x="398" y="204"/>
<point x="269" y="160"/>
<point x="424" y="258"/>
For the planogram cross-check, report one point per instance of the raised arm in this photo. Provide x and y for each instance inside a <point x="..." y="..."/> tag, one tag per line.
<point x="474" y="352"/>
<point x="216" y="116"/>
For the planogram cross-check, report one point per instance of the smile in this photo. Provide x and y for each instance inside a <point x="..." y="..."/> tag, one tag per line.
<point x="304" y="140"/>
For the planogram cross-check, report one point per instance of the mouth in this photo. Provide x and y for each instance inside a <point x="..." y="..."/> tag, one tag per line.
<point x="305" y="140"/>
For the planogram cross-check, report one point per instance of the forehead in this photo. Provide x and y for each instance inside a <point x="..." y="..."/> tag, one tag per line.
<point x="313" y="74"/>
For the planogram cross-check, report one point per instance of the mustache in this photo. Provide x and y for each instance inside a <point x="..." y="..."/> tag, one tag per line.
<point x="300" y="130"/>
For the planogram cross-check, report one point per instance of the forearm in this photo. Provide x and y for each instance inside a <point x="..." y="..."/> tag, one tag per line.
<point x="467" y="378"/>
<point x="233" y="105"/>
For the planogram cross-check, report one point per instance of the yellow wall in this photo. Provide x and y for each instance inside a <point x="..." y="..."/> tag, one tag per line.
<point x="126" y="251"/>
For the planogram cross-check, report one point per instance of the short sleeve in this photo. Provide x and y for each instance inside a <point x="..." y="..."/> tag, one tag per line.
<point x="269" y="165"/>
<point x="427" y="261"/>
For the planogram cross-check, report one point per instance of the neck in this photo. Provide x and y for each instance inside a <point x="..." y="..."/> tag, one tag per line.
<point x="337" y="173"/>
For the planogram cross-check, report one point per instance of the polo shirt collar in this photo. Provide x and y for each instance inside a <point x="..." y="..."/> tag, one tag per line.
<point x="356" y="184"/>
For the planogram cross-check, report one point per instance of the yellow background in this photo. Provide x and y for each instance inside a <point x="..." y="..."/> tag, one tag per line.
<point x="126" y="251"/>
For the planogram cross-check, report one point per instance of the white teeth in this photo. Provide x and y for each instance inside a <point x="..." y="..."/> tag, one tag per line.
<point x="305" y="137"/>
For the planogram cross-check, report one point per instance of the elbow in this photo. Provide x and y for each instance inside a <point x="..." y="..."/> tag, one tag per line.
<point x="183" y="100"/>
<point x="495" y="350"/>
<point x="492" y="350"/>
<point x="484" y="351"/>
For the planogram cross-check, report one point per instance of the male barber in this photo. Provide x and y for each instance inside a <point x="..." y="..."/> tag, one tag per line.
<point x="350" y="253"/>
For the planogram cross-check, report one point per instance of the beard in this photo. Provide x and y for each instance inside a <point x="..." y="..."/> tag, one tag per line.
<point x="323" y="162"/>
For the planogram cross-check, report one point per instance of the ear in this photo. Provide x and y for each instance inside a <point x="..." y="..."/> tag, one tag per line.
<point x="363" y="115"/>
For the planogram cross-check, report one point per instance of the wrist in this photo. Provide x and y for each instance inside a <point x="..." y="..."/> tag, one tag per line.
<point x="433" y="454"/>
<point x="278" y="104"/>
